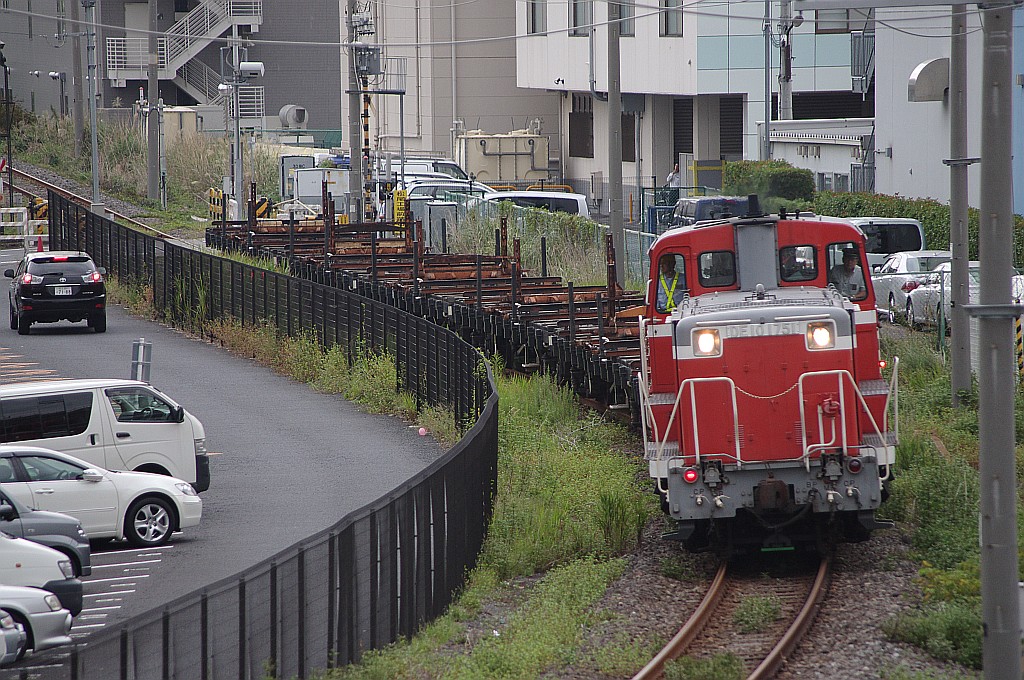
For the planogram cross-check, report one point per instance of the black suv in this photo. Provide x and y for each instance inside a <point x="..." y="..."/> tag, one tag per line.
<point x="51" y="286"/>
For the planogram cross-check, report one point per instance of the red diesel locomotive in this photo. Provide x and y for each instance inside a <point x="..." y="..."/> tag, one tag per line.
<point x="765" y="414"/>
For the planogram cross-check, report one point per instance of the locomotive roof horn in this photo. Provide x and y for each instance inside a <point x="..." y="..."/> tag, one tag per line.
<point x="753" y="206"/>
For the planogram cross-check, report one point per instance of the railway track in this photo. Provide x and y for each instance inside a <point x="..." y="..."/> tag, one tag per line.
<point x="715" y="629"/>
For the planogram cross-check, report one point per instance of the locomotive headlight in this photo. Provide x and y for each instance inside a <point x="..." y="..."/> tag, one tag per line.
<point x="821" y="335"/>
<point x="707" y="342"/>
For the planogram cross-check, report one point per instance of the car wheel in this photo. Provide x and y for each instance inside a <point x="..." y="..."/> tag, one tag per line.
<point x="14" y="319"/>
<point x="911" y="319"/>
<point x="23" y="324"/>
<point x="892" y="308"/>
<point x="148" y="523"/>
<point x="30" y="641"/>
<point x="98" y="322"/>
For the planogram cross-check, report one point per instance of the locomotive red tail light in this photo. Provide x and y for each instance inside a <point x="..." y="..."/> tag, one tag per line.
<point x="690" y="475"/>
<point x="854" y="465"/>
<point x="882" y="363"/>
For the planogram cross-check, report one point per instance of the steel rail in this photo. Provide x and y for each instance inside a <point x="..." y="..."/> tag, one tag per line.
<point x="690" y="630"/>
<point x="801" y="623"/>
<point x="84" y="202"/>
<point x="773" y="661"/>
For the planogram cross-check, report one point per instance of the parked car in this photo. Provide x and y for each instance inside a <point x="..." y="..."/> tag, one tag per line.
<point x="40" y="613"/>
<point x="113" y="423"/>
<point x="929" y="301"/>
<point x="61" y="532"/>
<point x="47" y="287"/>
<point x="693" y="209"/>
<point x="886" y="235"/>
<point x="12" y="639"/>
<point x="554" y="201"/>
<point x="141" y="507"/>
<point x="435" y="188"/>
<point x="899" y="274"/>
<point x="24" y="563"/>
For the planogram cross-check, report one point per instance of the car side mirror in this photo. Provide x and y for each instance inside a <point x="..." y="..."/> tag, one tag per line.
<point x="9" y="273"/>
<point x="92" y="475"/>
<point x="7" y="512"/>
<point x="179" y="414"/>
<point x="875" y="268"/>
<point x="102" y="271"/>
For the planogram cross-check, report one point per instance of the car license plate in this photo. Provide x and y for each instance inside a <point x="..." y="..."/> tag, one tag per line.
<point x="62" y="290"/>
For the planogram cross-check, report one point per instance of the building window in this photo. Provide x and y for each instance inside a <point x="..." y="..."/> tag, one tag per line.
<point x="841" y="183"/>
<point x="627" y="13"/>
<point x="28" y="7"/>
<point x="672" y="18"/>
<point x="832" y="21"/>
<point x="581" y="126"/>
<point x="824" y="181"/>
<point x="581" y="16"/>
<point x="536" y="16"/>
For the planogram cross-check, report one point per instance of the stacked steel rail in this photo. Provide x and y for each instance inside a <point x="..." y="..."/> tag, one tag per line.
<point x="584" y="336"/>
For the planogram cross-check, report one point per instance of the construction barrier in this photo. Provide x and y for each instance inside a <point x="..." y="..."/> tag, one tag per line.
<point x="215" y="198"/>
<point x="39" y="209"/>
<point x="1019" y="347"/>
<point x="16" y="229"/>
<point x="263" y="206"/>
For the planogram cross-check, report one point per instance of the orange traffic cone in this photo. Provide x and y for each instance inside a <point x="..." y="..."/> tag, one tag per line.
<point x="39" y="245"/>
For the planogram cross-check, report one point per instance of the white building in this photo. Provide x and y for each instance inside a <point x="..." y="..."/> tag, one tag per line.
<point x="693" y="79"/>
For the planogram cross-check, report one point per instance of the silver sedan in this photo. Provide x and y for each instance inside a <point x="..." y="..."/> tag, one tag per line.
<point x="46" y="623"/>
<point x="12" y="639"/>
<point x="900" y="274"/>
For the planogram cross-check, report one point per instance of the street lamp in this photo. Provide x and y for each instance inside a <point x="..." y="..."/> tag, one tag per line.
<point x="9" y="111"/>
<point x="241" y="73"/>
<point x="60" y="77"/>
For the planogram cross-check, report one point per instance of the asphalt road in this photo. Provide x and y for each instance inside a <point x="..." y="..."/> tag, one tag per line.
<point x="286" y="461"/>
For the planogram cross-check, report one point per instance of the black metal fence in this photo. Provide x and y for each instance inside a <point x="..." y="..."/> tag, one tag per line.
<point x="381" y="571"/>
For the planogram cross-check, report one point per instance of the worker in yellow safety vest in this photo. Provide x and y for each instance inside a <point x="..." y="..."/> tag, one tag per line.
<point x="671" y="284"/>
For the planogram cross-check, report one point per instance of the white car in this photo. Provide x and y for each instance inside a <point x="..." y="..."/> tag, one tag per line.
<point x="141" y="507"/>
<point x="553" y="201"/>
<point x="900" y="274"/>
<point x="12" y="639"/>
<point x="929" y="301"/>
<point x="40" y="613"/>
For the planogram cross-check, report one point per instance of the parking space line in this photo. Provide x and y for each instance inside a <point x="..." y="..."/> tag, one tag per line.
<point x="116" y="578"/>
<point x="97" y="609"/>
<point x="87" y="625"/>
<point x="113" y="592"/>
<point x="133" y="550"/>
<point x="124" y="564"/>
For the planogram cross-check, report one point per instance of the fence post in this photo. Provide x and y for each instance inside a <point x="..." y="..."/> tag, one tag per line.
<point x="242" y="629"/>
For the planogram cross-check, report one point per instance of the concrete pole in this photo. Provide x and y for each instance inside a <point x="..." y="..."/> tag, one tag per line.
<point x="77" y="112"/>
<point x="152" y="95"/>
<point x="237" y="169"/>
<point x="766" y="145"/>
<point x="355" y="174"/>
<point x="90" y="18"/>
<point x="785" y="60"/>
<point x="615" y="144"/>
<point x="996" y="376"/>
<point x="960" y="330"/>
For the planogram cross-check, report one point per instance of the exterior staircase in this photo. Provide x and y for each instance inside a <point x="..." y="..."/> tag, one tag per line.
<point x="127" y="58"/>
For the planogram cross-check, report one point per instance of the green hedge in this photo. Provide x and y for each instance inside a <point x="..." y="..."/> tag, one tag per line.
<point x="775" y="179"/>
<point x="934" y="216"/>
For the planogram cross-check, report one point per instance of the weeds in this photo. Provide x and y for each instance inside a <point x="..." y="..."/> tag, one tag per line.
<point x="949" y="631"/>
<point x="720" y="667"/>
<point x="755" y="614"/>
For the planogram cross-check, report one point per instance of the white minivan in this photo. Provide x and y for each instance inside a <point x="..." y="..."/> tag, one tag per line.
<point x="114" y="424"/>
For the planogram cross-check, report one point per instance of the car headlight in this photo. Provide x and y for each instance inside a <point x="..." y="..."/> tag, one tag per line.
<point x="81" y="531"/>
<point x="52" y="602"/>
<point x="821" y="335"/>
<point x="66" y="568"/>
<point x="200" y="447"/>
<point x="6" y="621"/>
<point x="706" y="342"/>
<point x="185" y="488"/>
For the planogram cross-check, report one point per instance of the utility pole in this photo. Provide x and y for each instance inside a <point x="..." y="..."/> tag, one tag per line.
<point x="960" y="330"/>
<point x="786" y="25"/>
<point x="1000" y="614"/>
<point x="152" y="122"/>
<point x="237" y="171"/>
<point x="90" y="18"/>
<point x="615" y="143"/>
<point x="355" y="157"/>
<point x="766" y="144"/>
<point x="77" y="114"/>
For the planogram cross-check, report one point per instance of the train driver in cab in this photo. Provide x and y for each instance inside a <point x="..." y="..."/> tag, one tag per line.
<point x="848" y="276"/>
<point x="671" y="283"/>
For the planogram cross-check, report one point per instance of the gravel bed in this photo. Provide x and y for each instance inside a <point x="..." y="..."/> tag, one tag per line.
<point x="111" y="203"/>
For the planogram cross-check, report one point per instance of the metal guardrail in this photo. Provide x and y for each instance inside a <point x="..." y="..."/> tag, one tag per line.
<point x="372" y="578"/>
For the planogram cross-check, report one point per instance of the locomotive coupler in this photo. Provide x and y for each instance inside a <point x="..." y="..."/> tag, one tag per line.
<point x="713" y="476"/>
<point x="831" y="467"/>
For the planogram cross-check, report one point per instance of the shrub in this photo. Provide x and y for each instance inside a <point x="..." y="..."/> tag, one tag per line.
<point x="768" y="179"/>
<point x="949" y="631"/>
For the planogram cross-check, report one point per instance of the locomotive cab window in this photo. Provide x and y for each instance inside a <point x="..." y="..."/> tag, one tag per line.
<point x="798" y="263"/>
<point x="717" y="269"/>
<point x="846" y="271"/>
<point x="671" y="282"/>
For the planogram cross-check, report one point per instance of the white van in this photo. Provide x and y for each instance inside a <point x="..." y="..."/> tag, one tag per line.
<point x="115" y="424"/>
<point x="24" y="563"/>
<point x="886" y="235"/>
<point x="553" y="201"/>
